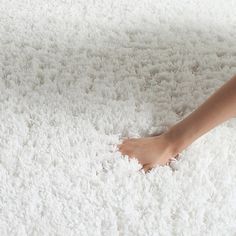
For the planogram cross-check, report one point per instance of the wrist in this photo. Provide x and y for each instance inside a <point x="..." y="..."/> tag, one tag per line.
<point x="176" y="139"/>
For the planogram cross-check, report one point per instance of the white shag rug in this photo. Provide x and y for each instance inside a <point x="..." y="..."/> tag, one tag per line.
<point x="75" y="77"/>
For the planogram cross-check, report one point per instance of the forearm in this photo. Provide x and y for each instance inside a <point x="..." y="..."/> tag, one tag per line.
<point x="219" y="107"/>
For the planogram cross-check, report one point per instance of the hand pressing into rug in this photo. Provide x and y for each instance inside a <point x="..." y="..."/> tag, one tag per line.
<point x="150" y="151"/>
<point x="159" y="150"/>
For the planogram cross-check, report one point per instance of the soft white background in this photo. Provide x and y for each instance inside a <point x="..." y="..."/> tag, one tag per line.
<point x="75" y="77"/>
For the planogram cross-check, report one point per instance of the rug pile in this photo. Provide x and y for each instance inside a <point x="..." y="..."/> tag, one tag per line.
<point x="76" y="77"/>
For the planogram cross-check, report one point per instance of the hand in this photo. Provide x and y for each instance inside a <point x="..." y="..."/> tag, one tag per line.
<point x="150" y="151"/>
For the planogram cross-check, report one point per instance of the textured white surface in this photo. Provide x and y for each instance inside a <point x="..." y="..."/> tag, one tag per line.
<point x="75" y="76"/>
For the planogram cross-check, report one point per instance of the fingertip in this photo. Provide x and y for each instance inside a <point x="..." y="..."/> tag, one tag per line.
<point x="146" y="168"/>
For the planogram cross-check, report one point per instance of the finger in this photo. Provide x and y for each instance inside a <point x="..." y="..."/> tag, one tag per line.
<point x="120" y="146"/>
<point x="128" y="153"/>
<point x="177" y="156"/>
<point x="122" y="141"/>
<point x="174" y="158"/>
<point x="146" y="168"/>
<point x="169" y="161"/>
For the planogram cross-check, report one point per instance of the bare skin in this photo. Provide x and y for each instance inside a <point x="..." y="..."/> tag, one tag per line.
<point x="159" y="150"/>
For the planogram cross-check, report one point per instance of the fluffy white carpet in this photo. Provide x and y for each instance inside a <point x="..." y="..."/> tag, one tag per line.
<point x="76" y="76"/>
